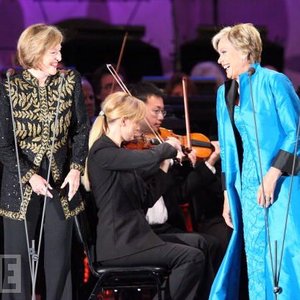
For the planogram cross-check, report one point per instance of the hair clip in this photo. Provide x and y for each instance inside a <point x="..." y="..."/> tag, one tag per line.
<point x="101" y="113"/>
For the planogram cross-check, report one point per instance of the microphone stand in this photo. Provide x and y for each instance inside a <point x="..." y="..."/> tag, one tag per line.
<point x="33" y="255"/>
<point x="278" y="290"/>
<point x="37" y="255"/>
<point x="9" y="73"/>
<point x="276" y="268"/>
<point x="251" y="71"/>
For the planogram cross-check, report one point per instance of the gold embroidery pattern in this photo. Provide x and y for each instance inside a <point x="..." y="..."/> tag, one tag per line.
<point x="78" y="167"/>
<point x="20" y="215"/>
<point x="55" y="170"/>
<point x="70" y="213"/>
<point x="28" y="175"/>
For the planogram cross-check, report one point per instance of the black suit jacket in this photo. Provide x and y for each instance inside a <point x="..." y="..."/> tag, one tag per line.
<point x="122" y="196"/>
<point x="183" y="183"/>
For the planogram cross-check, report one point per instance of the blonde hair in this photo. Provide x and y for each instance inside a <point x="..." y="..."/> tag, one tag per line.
<point x="115" y="106"/>
<point x="244" y="37"/>
<point x="34" y="42"/>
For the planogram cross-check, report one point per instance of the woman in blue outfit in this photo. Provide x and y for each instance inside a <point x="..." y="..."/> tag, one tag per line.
<point x="258" y="116"/>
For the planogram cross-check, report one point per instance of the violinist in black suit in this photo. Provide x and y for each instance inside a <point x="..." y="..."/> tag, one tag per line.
<point x="183" y="182"/>
<point x="124" y="237"/>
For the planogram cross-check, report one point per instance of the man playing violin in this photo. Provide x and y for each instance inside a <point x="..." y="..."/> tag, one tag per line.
<point x="166" y="217"/>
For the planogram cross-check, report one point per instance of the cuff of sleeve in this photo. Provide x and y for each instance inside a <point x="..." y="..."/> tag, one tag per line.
<point x="27" y="176"/>
<point x="212" y="168"/>
<point x="284" y="161"/>
<point x="78" y="167"/>
<point x="223" y="181"/>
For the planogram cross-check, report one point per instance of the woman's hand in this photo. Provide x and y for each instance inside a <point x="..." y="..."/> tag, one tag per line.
<point x="165" y="164"/>
<point x="192" y="156"/>
<point x="174" y="142"/>
<point x="226" y="211"/>
<point x="215" y="156"/>
<point x="73" y="179"/>
<point x="40" y="186"/>
<point x="177" y="145"/>
<point x="269" y="184"/>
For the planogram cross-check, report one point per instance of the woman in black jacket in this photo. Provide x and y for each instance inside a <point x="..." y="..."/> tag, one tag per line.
<point x="51" y="128"/>
<point x="124" y="237"/>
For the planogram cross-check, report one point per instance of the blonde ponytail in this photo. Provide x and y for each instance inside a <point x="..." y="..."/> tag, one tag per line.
<point x="115" y="106"/>
<point x="97" y="130"/>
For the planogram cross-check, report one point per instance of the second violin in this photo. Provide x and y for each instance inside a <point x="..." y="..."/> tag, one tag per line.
<point x="199" y="142"/>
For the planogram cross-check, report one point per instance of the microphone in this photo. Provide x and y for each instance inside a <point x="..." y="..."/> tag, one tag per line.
<point x="251" y="71"/>
<point x="10" y="72"/>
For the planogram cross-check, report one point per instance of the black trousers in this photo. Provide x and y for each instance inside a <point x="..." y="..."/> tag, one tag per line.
<point x="206" y="243"/>
<point x="57" y="237"/>
<point x="186" y="263"/>
<point x="1" y="253"/>
<point x="216" y="226"/>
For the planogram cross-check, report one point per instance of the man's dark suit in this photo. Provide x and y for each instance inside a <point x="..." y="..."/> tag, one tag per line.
<point x="182" y="183"/>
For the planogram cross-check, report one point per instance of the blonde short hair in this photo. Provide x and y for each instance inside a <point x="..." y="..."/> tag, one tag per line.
<point x="244" y="37"/>
<point x="34" y="42"/>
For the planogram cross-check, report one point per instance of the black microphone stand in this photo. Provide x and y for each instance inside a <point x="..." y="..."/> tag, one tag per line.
<point x="33" y="255"/>
<point x="251" y="71"/>
<point x="37" y="254"/>
<point x="277" y="289"/>
<point x="9" y="73"/>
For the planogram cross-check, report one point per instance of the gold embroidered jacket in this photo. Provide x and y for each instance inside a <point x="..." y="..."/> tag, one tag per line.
<point x="34" y="111"/>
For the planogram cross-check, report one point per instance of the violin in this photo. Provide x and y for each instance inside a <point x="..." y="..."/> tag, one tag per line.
<point x="142" y="142"/>
<point x="199" y="142"/>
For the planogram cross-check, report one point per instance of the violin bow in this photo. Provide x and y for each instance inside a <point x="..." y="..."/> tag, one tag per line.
<point x="118" y="79"/>
<point x="120" y="58"/>
<point x="186" y="113"/>
<point x="122" y="85"/>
